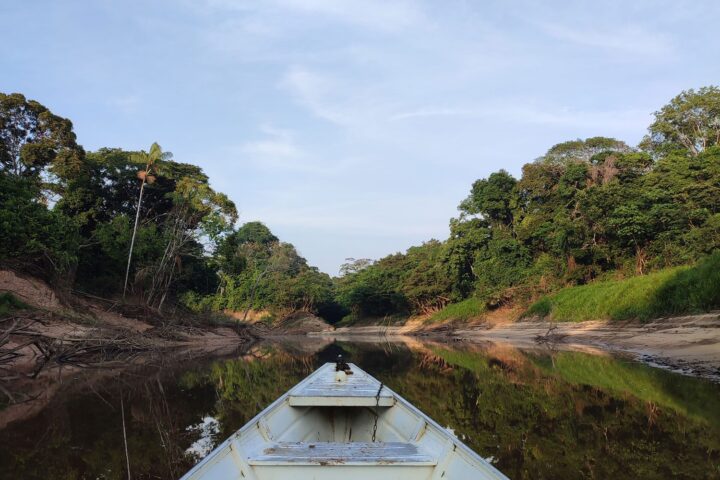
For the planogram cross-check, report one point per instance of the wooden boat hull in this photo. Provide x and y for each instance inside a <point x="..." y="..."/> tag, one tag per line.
<point x="354" y="428"/>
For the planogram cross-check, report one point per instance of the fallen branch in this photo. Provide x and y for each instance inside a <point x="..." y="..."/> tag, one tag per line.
<point x="551" y="336"/>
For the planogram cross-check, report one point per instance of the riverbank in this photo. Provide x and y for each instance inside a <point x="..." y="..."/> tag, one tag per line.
<point x="83" y="330"/>
<point x="46" y="336"/>
<point x="686" y="344"/>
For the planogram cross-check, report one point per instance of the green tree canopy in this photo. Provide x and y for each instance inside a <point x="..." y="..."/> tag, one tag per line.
<point x="690" y="122"/>
<point x="254" y="232"/>
<point x="32" y="138"/>
<point x="584" y="150"/>
<point x="493" y="198"/>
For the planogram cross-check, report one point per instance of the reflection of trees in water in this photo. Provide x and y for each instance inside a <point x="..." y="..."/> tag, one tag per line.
<point x="80" y="436"/>
<point x="156" y="412"/>
<point x="156" y="429"/>
<point x="156" y="435"/>
<point x="570" y="421"/>
<point x="578" y="416"/>
<point x="244" y="387"/>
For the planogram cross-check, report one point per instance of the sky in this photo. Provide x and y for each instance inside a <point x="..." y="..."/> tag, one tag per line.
<point x="354" y="128"/>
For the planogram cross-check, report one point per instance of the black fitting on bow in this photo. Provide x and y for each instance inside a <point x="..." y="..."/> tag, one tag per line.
<point x="341" y="366"/>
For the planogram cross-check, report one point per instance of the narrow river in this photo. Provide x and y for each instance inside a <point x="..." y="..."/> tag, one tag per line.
<point x="533" y="414"/>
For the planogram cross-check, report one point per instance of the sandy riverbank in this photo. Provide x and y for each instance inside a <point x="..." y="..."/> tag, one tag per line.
<point x="687" y="344"/>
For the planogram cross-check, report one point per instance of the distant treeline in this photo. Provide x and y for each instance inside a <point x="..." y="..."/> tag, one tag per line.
<point x="585" y="210"/>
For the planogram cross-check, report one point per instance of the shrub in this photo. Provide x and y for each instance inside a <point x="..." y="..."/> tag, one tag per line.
<point x="541" y="308"/>
<point x="8" y="303"/>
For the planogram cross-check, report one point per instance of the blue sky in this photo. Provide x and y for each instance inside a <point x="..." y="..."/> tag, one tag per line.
<point x="354" y="128"/>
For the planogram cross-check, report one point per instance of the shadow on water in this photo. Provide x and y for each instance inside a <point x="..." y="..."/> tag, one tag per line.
<point x="533" y="414"/>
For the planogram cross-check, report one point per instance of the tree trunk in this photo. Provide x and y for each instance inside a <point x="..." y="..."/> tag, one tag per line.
<point x="162" y="299"/>
<point x="132" y="242"/>
<point x="571" y="263"/>
<point x="640" y="260"/>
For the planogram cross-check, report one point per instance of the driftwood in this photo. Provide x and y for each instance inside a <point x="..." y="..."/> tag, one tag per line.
<point x="551" y="337"/>
<point x="18" y="337"/>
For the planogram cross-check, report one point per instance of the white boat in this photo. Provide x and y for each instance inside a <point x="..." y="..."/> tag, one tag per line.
<point x="341" y="423"/>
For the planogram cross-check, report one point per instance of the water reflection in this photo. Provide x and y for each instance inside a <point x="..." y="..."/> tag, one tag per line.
<point x="536" y="415"/>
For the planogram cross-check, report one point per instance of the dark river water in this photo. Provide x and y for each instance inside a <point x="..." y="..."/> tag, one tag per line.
<point x="533" y="414"/>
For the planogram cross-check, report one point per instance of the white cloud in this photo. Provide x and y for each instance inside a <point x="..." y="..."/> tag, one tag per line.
<point x="280" y="152"/>
<point x="313" y="90"/>
<point x="272" y="148"/>
<point x="276" y="151"/>
<point x="428" y="112"/>
<point x="348" y="104"/>
<point x="279" y="143"/>
<point x="629" y="39"/>
<point x="125" y="103"/>
<point x="529" y="114"/>
<point x="376" y="14"/>
<point x="373" y="14"/>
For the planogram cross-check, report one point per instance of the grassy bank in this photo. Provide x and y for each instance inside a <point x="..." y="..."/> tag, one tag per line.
<point x="674" y="291"/>
<point x="462" y="311"/>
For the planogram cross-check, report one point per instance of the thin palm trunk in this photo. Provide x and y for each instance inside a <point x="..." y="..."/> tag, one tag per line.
<point x="167" y="287"/>
<point x="132" y="242"/>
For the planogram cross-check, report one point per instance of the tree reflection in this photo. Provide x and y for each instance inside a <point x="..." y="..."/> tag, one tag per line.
<point x="570" y="416"/>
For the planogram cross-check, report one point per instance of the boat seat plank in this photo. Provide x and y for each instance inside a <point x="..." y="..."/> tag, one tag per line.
<point x="322" y="389"/>
<point x="345" y="453"/>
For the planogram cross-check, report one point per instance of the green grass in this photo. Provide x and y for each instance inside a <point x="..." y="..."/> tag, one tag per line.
<point x="692" y="290"/>
<point x="672" y="291"/>
<point x="9" y="303"/>
<point x="465" y="310"/>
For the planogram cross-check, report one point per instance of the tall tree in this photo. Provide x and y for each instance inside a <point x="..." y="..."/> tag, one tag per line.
<point x="584" y="150"/>
<point x="690" y="122"/>
<point x="32" y="138"/>
<point x="354" y="265"/>
<point x="146" y="176"/>
<point x="493" y="198"/>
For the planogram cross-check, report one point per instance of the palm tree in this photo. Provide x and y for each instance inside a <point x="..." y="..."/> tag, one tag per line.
<point x="146" y="176"/>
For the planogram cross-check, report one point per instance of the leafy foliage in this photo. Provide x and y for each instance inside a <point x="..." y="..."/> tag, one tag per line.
<point x="689" y="124"/>
<point x="585" y="210"/>
<point x="68" y="215"/>
<point x="416" y="281"/>
<point x="259" y="272"/>
<point x="32" y="138"/>
<point x="465" y="310"/>
<point x="41" y="240"/>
